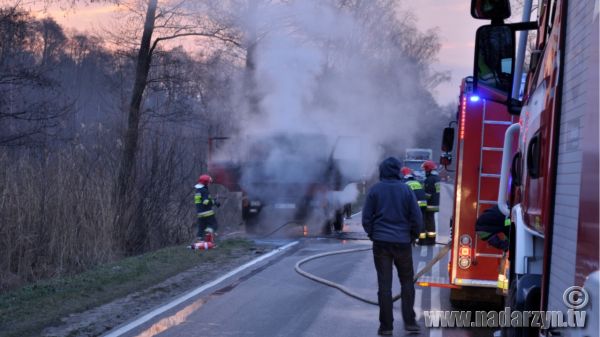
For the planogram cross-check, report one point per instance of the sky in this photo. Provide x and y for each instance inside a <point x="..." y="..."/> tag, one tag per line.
<point x="451" y="17"/>
<point x="457" y="34"/>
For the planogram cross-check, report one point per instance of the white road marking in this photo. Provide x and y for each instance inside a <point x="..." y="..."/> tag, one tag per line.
<point x="435" y="299"/>
<point x="176" y="302"/>
<point x="421" y="265"/>
<point x="418" y="303"/>
<point x="419" y="292"/>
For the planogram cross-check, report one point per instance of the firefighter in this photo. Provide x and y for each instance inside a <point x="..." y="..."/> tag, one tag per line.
<point x="207" y="222"/>
<point x="493" y="226"/>
<point x="409" y="179"/>
<point x="432" y="194"/>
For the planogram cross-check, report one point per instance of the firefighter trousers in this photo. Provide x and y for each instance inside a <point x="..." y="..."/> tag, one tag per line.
<point x="206" y="222"/>
<point x="429" y="235"/>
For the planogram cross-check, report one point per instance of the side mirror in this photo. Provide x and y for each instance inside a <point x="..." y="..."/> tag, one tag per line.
<point x="494" y="60"/>
<point x="448" y="140"/>
<point x="490" y="9"/>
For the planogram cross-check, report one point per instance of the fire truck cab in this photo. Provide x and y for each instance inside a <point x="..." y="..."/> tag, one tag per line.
<point x="553" y="175"/>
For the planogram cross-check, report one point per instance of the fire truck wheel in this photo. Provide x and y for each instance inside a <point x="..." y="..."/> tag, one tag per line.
<point x="523" y="295"/>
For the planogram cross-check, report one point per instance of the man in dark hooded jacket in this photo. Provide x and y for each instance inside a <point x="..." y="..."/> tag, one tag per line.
<point x="392" y="219"/>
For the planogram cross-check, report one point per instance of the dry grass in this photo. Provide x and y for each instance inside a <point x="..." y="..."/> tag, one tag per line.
<point x="58" y="215"/>
<point x="54" y="216"/>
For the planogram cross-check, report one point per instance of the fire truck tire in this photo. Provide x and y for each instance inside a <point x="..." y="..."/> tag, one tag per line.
<point x="523" y="294"/>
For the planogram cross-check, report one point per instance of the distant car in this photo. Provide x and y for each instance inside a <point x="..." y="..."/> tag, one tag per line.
<point x="418" y="154"/>
<point x="415" y="165"/>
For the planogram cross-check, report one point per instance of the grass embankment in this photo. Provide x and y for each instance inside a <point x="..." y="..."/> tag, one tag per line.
<point x="26" y="311"/>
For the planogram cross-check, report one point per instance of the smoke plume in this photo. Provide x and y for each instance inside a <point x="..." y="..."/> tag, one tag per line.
<point x="325" y="82"/>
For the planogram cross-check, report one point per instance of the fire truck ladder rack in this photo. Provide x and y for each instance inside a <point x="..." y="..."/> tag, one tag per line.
<point x="486" y="175"/>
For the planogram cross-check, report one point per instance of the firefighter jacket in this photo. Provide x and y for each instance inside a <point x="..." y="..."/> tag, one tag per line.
<point x="391" y="213"/>
<point x="418" y="190"/>
<point x="204" y="202"/>
<point x="492" y="221"/>
<point x="432" y="191"/>
<point x="490" y="224"/>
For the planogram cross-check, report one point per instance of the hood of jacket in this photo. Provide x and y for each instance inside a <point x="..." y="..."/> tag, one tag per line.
<point x="389" y="169"/>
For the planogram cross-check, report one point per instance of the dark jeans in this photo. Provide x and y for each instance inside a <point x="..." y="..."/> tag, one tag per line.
<point x="385" y="254"/>
<point x="203" y="223"/>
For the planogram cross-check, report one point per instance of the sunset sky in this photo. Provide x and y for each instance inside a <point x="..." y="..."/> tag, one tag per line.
<point x="451" y="17"/>
<point x="457" y="31"/>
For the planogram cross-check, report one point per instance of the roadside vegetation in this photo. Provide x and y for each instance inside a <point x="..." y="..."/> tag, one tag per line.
<point x="103" y="135"/>
<point x="26" y="311"/>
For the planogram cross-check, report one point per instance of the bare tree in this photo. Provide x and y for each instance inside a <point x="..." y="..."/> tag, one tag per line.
<point x="28" y="91"/>
<point x="169" y="21"/>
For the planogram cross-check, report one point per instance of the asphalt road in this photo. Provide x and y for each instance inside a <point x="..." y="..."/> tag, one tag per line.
<point x="271" y="299"/>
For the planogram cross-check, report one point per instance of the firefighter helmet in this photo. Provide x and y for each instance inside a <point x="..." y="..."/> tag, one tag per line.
<point x="428" y="165"/>
<point x="205" y="179"/>
<point x="405" y="171"/>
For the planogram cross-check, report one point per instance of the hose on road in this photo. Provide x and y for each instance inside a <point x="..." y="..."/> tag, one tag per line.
<point x="443" y="251"/>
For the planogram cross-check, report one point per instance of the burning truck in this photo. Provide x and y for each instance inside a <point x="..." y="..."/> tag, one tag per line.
<point x="288" y="178"/>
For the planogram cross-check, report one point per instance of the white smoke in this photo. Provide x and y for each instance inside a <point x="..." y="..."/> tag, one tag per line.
<point x="333" y="72"/>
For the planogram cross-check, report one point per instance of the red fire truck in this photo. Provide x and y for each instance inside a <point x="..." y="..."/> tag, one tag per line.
<point x="473" y="263"/>
<point x="553" y="175"/>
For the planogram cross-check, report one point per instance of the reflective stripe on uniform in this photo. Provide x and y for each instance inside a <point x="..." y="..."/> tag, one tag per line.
<point x="205" y="214"/>
<point x="433" y="208"/>
<point x="431" y="234"/>
<point x="422" y="236"/>
<point x="484" y="235"/>
<point x="438" y="187"/>
<point x="414" y="185"/>
<point x="205" y="202"/>
<point x="197" y="198"/>
<point x="422" y="203"/>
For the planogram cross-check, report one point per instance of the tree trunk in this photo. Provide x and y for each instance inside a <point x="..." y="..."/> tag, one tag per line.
<point x="128" y="160"/>
<point x="250" y="79"/>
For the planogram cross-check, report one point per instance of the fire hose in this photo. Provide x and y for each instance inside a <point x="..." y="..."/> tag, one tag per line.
<point x="443" y="251"/>
<point x="351" y="293"/>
